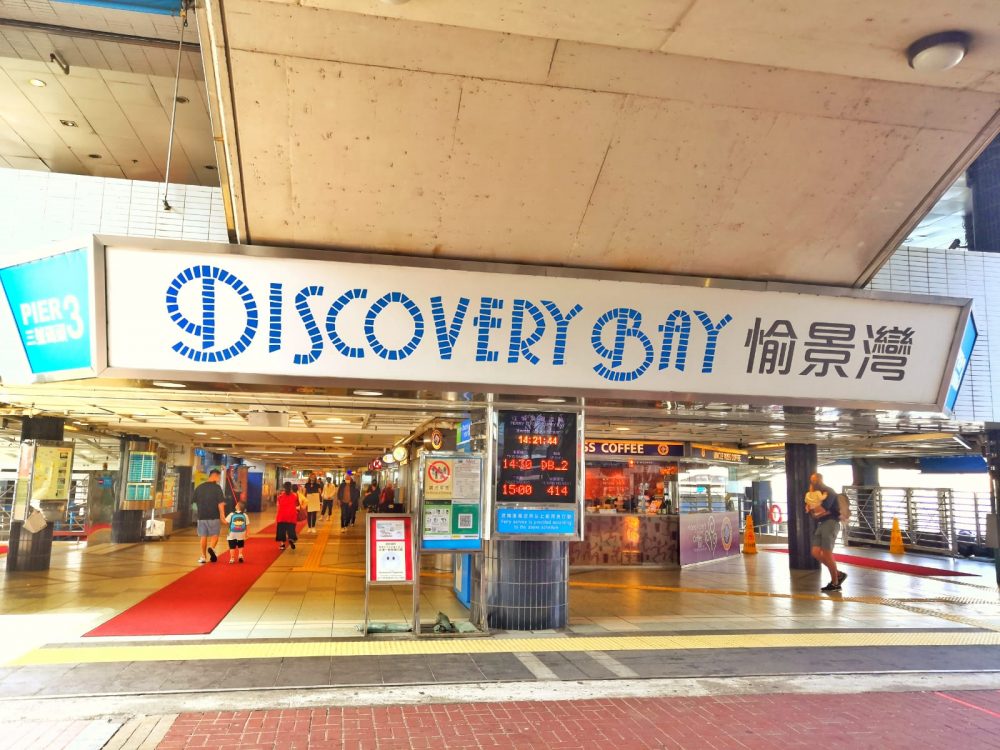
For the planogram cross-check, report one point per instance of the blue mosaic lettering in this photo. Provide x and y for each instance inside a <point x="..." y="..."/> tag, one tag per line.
<point x="355" y="352"/>
<point x="485" y="322"/>
<point x="713" y="337"/>
<point x="206" y="329"/>
<point x="678" y="324"/>
<point x="562" y="328"/>
<point x="315" y="337"/>
<point x="447" y="335"/>
<point x="520" y="346"/>
<point x="629" y="324"/>
<point x="418" y="326"/>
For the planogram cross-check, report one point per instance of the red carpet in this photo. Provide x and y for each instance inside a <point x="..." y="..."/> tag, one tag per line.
<point x="271" y="529"/>
<point x="3" y="549"/>
<point x="197" y="602"/>
<point x="895" y="567"/>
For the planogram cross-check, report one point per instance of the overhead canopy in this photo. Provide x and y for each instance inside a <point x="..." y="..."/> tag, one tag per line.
<point x="714" y="137"/>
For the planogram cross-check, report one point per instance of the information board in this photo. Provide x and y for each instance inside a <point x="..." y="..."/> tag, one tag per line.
<point x="538" y="483"/>
<point x="536" y="457"/>
<point x="389" y="549"/>
<point x="451" y="507"/>
<point x="50" y="478"/>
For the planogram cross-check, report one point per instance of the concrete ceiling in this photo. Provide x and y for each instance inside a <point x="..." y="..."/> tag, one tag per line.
<point x="713" y="137"/>
<point x="118" y="94"/>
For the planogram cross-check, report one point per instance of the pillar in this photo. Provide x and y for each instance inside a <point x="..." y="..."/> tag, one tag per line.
<point x="800" y="464"/>
<point x="992" y="452"/>
<point x="984" y="180"/>
<point x="27" y="551"/>
<point x="127" y="525"/>
<point x="525" y="585"/>
<point x="185" y="491"/>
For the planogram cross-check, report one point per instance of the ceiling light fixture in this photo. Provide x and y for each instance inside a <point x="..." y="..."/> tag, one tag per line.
<point x="623" y="429"/>
<point x="551" y="400"/>
<point x="38" y="83"/>
<point x="937" y="52"/>
<point x="182" y="100"/>
<point x="68" y="123"/>
<point x="367" y="393"/>
<point x="201" y="433"/>
<point x="168" y="384"/>
<point x="94" y="156"/>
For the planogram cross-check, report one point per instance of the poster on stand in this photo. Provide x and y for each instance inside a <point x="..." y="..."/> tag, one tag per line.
<point x="389" y="549"/>
<point x="451" y="507"/>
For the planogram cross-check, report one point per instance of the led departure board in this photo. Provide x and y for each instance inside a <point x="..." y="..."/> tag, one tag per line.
<point x="537" y="457"/>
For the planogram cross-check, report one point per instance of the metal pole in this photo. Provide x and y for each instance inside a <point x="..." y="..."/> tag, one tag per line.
<point x="173" y="109"/>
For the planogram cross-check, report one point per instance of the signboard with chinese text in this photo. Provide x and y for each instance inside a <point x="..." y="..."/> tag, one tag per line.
<point x="451" y="502"/>
<point x="51" y="308"/>
<point x="389" y="549"/>
<point x="198" y="312"/>
<point x="708" y="536"/>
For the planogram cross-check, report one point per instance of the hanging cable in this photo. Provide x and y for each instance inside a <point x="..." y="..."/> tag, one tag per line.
<point x="173" y="109"/>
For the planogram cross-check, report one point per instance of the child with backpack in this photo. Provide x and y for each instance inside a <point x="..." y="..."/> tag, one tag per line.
<point x="238" y="522"/>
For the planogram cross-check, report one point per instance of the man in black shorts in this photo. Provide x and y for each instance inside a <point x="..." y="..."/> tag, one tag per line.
<point x="210" y="505"/>
<point x="827" y="517"/>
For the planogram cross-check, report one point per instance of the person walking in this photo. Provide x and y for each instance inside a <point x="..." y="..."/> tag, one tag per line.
<point x="348" y="497"/>
<point x="327" y="496"/>
<point x="210" y="505"/>
<point x="287" y="516"/>
<point x="238" y="523"/>
<point x="370" y="501"/>
<point x="387" y="499"/>
<point x="822" y="504"/>
<point x="312" y="491"/>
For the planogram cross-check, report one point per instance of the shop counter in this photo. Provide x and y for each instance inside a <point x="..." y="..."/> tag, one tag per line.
<point x="627" y="539"/>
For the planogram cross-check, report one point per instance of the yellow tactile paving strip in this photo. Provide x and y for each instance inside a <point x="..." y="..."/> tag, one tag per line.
<point x="279" y="650"/>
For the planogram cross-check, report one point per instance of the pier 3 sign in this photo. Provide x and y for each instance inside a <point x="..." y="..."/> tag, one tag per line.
<point x="201" y="312"/>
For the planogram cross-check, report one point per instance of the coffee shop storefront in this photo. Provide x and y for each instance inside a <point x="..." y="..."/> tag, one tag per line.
<point x="658" y="503"/>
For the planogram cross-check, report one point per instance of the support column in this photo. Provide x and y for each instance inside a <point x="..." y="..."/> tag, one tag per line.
<point x="126" y="525"/>
<point x="27" y="551"/>
<point x="800" y="464"/>
<point x="993" y="464"/>
<point x="865" y="474"/>
<point x="527" y="585"/>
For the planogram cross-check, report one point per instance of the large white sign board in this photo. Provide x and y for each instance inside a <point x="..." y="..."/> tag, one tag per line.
<point x="260" y="312"/>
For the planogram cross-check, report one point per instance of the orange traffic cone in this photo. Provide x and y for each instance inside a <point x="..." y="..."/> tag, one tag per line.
<point x="749" y="538"/>
<point x="896" y="539"/>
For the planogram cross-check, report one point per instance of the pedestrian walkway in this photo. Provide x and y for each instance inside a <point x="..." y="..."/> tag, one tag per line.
<point x="880" y="720"/>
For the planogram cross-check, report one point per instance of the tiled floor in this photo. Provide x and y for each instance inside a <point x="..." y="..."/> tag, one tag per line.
<point x="86" y="586"/>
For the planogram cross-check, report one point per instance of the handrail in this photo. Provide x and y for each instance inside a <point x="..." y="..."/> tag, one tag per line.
<point x="940" y="520"/>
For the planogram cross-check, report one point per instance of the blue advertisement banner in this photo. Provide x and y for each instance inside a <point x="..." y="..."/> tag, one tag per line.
<point x="50" y="302"/>
<point x="969" y="337"/>
<point x="536" y="521"/>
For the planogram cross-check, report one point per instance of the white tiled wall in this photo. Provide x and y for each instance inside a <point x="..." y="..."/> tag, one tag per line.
<point x="39" y="208"/>
<point x="958" y="273"/>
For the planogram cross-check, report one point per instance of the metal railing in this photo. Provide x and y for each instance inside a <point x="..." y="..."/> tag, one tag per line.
<point x="6" y="510"/>
<point x="938" y="520"/>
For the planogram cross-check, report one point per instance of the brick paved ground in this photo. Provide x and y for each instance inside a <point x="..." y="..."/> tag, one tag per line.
<point x="772" y="722"/>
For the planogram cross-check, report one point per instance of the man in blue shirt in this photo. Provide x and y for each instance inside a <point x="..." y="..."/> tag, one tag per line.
<point x="827" y="517"/>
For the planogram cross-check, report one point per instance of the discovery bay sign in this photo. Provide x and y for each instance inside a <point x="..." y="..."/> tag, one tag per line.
<point x="201" y="311"/>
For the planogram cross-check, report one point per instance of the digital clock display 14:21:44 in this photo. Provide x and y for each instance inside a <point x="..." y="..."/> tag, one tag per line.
<point x="537" y="459"/>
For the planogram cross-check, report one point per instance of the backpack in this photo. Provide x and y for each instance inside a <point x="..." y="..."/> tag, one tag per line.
<point x="238" y="523"/>
<point x="845" y="508"/>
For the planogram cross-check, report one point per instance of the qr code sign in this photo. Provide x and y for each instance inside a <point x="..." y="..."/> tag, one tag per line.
<point x="465" y="520"/>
